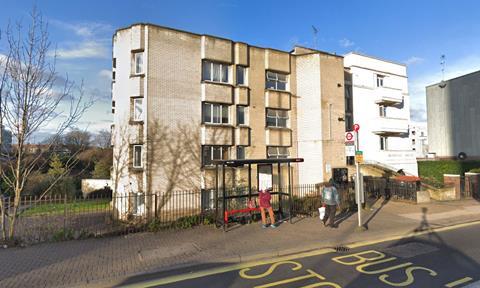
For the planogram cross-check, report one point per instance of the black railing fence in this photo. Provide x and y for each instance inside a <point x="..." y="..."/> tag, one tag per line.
<point x="61" y="218"/>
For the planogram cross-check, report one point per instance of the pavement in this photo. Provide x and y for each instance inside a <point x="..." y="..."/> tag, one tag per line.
<point x="107" y="262"/>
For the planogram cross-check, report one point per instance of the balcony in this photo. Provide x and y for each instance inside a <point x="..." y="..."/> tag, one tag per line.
<point x="217" y="135"/>
<point x="277" y="99"/>
<point x="390" y="126"/>
<point x="388" y="96"/>
<point x="217" y="92"/>
<point x="278" y="136"/>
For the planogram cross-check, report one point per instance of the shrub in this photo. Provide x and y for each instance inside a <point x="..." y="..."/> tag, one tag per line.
<point x="475" y="170"/>
<point x="434" y="170"/>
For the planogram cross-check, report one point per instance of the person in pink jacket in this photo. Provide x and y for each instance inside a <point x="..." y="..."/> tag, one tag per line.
<point x="264" y="199"/>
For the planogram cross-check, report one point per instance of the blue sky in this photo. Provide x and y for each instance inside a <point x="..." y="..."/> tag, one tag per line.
<point x="412" y="32"/>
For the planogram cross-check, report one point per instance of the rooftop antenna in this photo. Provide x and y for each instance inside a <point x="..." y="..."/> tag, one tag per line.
<point x="315" y="32"/>
<point x="442" y="64"/>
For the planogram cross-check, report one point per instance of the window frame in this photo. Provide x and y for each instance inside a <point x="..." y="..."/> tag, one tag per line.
<point x="382" y="111"/>
<point x="135" y="117"/>
<point x="380" y="79"/>
<point x="243" y="148"/>
<point x="135" y="61"/>
<point x="383" y="143"/>
<point x="140" y="159"/>
<point x="277" y="117"/>
<point x="244" y="83"/>
<point x="222" y="68"/>
<point x="212" y="153"/>
<point x="275" y="80"/>
<point x="278" y="155"/>
<point x="245" y="115"/>
<point x="220" y="113"/>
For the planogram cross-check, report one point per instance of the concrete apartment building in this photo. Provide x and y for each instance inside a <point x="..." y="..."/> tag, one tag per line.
<point x="381" y="106"/>
<point x="181" y="100"/>
<point x="453" y="115"/>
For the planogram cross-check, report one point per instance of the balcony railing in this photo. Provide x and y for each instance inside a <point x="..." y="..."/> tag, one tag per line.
<point x="386" y="126"/>
<point x="388" y="96"/>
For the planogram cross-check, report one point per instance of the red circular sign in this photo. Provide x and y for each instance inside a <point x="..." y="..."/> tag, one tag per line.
<point x="349" y="136"/>
<point x="356" y="127"/>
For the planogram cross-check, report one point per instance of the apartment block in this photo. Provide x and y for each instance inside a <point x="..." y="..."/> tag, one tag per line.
<point x="381" y="106"/>
<point x="453" y="114"/>
<point x="182" y="100"/>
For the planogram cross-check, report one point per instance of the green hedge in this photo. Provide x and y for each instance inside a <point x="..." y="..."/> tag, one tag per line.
<point x="434" y="170"/>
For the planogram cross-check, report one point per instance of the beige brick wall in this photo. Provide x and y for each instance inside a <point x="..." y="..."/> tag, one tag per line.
<point x="333" y="107"/>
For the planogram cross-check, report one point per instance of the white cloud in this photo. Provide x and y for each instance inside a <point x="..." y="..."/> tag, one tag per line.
<point x="105" y="73"/>
<point x="346" y="43"/>
<point x="87" y="49"/>
<point x="84" y="29"/>
<point x="417" y="85"/>
<point x="414" y="60"/>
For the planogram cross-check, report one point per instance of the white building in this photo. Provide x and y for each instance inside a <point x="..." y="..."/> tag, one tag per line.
<point x="418" y="139"/>
<point x="381" y="106"/>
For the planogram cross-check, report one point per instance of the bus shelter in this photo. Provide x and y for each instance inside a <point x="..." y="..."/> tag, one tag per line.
<point x="264" y="180"/>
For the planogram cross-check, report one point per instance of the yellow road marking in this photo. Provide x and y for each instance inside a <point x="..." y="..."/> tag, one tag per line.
<point x="220" y="270"/>
<point x="213" y="271"/>
<point x="458" y="282"/>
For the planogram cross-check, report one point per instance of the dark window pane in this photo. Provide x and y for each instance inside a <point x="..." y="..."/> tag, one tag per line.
<point x="240" y="115"/>
<point x="281" y="86"/>
<point x="216" y="114"/>
<point x="206" y="155"/>
<point x="217" y="153"/>
<point x="206" y="70"/>
<point x="240" y="152"/>
<point x="240" y="75"/>
<point x="225" y="114"/>
<point x="225" y="154"/>
<point x="270" y="84"/>
<point x="207" y="113"/>
<point x="225" y="73"/>
<point x="282" y="122"/>
<point x="282" y="77"/>
<point x="271" y="122"/>
<point x="216" y="72"/>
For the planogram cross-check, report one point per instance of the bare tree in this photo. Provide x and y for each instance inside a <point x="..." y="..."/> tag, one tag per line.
<point x="103" y="139"/>
<point x="31" y="100"/>
<point x="76" y="140"/>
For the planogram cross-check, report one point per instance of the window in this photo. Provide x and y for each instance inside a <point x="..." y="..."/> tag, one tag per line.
<point x="422" y="134"/>
<point x="113" y="75"/>
<point x="277" y="118"/>
<point x="137" y="156"/>
<point x="380" y="80"/>
<point x="413" y="141"/>
<point x="241" y="75"/>
<point x="277" y="152"/>
<point x="114" y="62"/>
<point x="276" y="81"/>
<point x="138" y="109"/>
<point x="212" y="71"/>
<point x="138" y="57"/>
<point x="241" y="115"/>
<point x="210" y="153"/>
<point x="240" y="152"/>
<point x="113" y="107"/>
<point x="215" y="113"/>
<point x="382" y="111"/>
<point x="413" y="132"/>
<point x="383" y="143"/>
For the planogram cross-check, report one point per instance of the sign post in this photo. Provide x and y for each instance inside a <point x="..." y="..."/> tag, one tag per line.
<point x="358" y="189"/>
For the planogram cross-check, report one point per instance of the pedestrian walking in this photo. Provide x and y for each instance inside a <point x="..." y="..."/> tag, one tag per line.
<point x="264" y="196"/>
<point x="330" y="200"/>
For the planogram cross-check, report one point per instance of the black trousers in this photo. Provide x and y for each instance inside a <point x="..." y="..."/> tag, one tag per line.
<point x="330" y="211"/>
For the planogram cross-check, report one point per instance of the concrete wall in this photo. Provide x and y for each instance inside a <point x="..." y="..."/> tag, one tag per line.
<point x="453" y="115"/>
<point x="395" y="125"/>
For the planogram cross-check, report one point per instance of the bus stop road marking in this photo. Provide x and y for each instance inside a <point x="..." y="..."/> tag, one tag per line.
<point x="225" y="269"/>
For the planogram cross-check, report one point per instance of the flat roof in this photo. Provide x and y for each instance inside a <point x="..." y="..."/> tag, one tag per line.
<point x="454" y="78"/>
<point x="218" y="37"/>
<point x="377" y="58"/>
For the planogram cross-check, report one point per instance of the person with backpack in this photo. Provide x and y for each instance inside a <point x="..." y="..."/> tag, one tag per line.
<point x="264" y="197"/>
<point x="330" y="201"/>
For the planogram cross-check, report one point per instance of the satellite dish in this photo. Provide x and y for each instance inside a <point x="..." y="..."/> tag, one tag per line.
<point x="462" y="156"/>
<point x="442" y="84"/>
